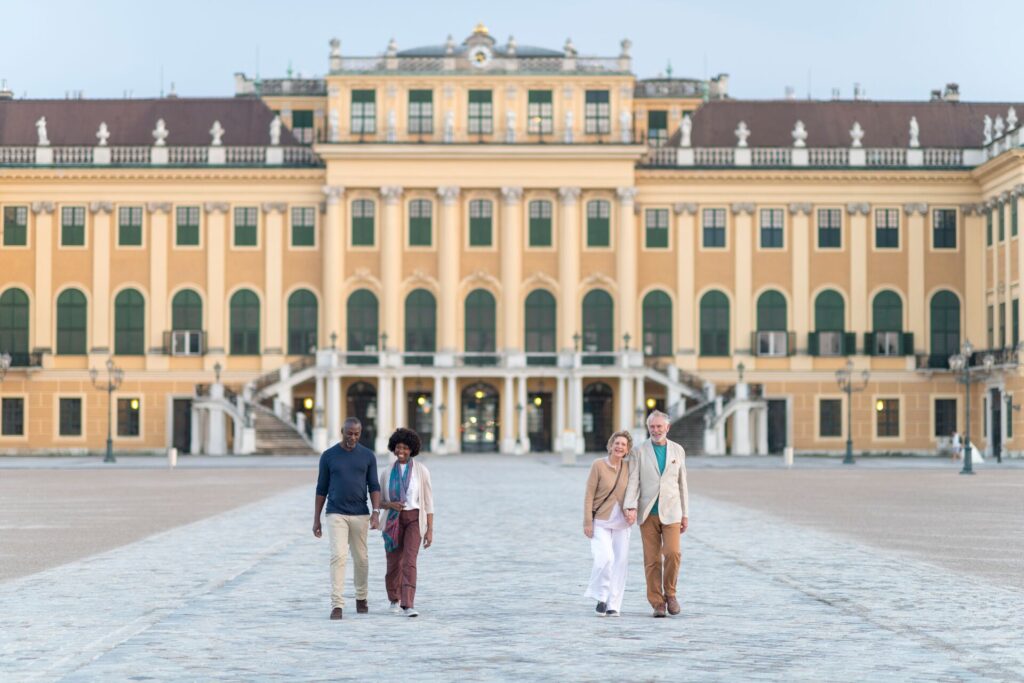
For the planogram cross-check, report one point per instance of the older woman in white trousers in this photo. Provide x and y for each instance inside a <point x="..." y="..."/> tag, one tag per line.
<point x="605" y="524"/>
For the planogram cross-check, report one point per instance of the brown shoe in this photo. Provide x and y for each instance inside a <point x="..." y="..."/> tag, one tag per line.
<point x="659" y="611"/>
<point x="336" y="613"/>
<point x="673" y="606"/>
<point x="362" y="607"/>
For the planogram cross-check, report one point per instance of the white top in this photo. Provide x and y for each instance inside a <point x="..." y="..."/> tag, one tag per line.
<point x="412" y="496"/>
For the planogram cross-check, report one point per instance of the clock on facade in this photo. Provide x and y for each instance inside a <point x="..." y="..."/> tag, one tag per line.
<point x="480" y="56"/>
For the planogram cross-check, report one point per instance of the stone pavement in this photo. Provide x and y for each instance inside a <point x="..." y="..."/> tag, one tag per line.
<point x="244" y="596"/>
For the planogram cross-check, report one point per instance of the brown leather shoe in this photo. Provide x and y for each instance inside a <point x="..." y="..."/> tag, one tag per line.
<point x="336" y="613"/>
<point x="659" y="611"/>
<point x="673" y="606"/>
<point x="362" y="607"/>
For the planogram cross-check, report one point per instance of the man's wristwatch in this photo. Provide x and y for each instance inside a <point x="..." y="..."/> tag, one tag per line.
<point x="376" y="510"/>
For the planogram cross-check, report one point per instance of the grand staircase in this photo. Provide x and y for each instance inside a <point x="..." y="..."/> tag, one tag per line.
<point x="275" y="437"/>
<point x="688" y="431"/>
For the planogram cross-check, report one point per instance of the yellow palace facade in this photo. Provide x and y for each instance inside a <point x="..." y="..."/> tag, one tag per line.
<point x="508" y="248"/>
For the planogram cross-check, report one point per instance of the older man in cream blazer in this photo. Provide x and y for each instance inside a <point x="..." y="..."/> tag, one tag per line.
<point x="657" y="487"/>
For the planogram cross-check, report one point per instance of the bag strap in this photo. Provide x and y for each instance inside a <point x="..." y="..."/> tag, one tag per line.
<point x="605" y="499"/>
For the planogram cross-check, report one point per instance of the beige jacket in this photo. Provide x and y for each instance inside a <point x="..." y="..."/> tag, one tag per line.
<point x="426" y="491"/>
<point x="647" y="486"/>
<point x="607" y="485"/>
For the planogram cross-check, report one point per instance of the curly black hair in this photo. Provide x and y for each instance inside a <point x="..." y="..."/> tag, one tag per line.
<point x="406" y="436"/>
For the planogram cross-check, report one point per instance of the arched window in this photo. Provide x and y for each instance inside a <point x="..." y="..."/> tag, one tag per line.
<point x="245" y="323"/>
<point x="420" y="325"/>
<point x="129" y="323"/>
<point x="302" y="322"/>
<point x="829" y="337"/>
<point x="945" y="310"/>
<point x="72" y="321"/>
<point x="187" y="311"/>
<point x="362" y="325"/>
<point x="480" y="325"/>
<point x="14" y="314"/>
<point x="886" y="337"/>
<point x="714" y="324"/>
<point x="598" y="322"/>
<point x="657" y="324"/>
<point x="541" y="326"/>
<point x="771" y="312"/>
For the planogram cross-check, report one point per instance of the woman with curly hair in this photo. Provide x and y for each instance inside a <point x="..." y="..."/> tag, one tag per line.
<point x="605" y="524"/>
<point x="408" y="497"/>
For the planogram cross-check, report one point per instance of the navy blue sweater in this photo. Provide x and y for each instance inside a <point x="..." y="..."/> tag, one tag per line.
<point x="345" y="477"/>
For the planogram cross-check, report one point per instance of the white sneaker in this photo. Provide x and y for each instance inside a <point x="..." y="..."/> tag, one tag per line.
<point x="410" y="612"/>
<point x="393" y="608"/>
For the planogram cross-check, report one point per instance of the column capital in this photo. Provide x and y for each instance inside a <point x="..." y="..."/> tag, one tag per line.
<point x="569" y="195"/>
<point x="216" y="207"/>
<point x="804" y="208"/>
<point x="101" y="207"/>
<point x="742" y="208"/>
<point x="916" y="207"/>
<point x="450" y="194"/>
<point x="42" y="207"/>
<point x="274" y="207"/>
<point x="971" y="209"/>
<point x="512" y="195"/>
<point x="626" y="195"/>
<point x="334" y="193"/>
<point x="689" y="208"/>
<point x="1004" y="197"/>
<point x="856" y="208"/>
<point x="1017" y="191"/>
<point x="158" y="207"/>
<point x="392" y="194"/>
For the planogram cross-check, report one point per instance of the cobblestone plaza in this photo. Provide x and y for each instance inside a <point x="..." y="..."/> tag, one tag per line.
<point x="787" y="575"/>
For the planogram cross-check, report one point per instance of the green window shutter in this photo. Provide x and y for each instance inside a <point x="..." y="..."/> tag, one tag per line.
<point x="539" y="112"/>
<point x="187" y="226"/>
<point x="420" y="322"/>
<point x="908" y="344"/>
<point x="988" y="228"/>
<point x="597" y="112"/>
<point x="129" y="226"/>
<point x="656" y="222"/>
<point x="480" y="214"/>
<point x="363" y="214"/>
<point x="713" y="228"/>
<point x="302" y="118"/>
<point x="129" y="323"/>
<point x="15" y="226"/>
<point x="714" y="324"/>
<point x="869" y="343"/>
<point x="481" y="322"/>
<point x="246" y="218"/>
<point x="657" y="324"/>
<point x="72" y="223"/>
<point x="598" y="223"/>
<point x="245" y="323"/>
<point x="1002" y="224"/>
<point x="944" y="228"/>
<point x="303" y="226"/>
<point x="540" y="322"/>
<point x="540" y="223"/>
<point x="72" y="321"/>
<point x="849" y="343"/>
<point x="364" y="111"/>
<point x="481" y="113"/>
<point x="812" y="343"/>
<point x="421" y="111"/>
<point x="771" y="312"/>
<point x="657" y="128"/>
<point x="420" y="218"/>
<point x="70" y="417"/>
<point x="1013" y="217"/>
<point x="186" y="311"/>
<point x="302" y="322"/>
<point x="14" y="315"/>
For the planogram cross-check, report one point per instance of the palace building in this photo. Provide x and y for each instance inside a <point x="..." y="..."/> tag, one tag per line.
<point x="507" y="248"/>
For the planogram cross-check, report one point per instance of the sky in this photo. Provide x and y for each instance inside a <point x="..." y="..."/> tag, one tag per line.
<point x="900" y="49"/>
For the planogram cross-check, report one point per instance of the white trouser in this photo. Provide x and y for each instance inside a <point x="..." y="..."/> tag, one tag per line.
<point x="611" y="559"/>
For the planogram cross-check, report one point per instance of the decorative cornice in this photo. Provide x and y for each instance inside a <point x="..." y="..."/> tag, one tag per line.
<point x="862" y="208"/>
<point x="42" y="207"/>
<point x="216" y="207"/>
<point x="101" y="207"/>
<point x="449" y="195"/>
<point x="391" y="194"/>
<point x="746" y="208"/>
<point x="158" y="207"/>
<point x="1017" y="190"/>
<point x="689" y="208"/>
<point x="568" y="195"/>
<point x="274" y="207"/>
<point x="844" y="177"/>
<point x="1004" y="197"/>
<point x="801" y="207"/>
<point x="971" y="209"/>
<point x="333" y="193"/>
<point x="915" y="207"/>
<point x="512" y="195"/>
<point x="626" y="195"/>
<point x="163" y="173"/>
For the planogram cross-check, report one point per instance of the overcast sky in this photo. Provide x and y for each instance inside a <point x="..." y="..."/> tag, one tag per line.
<point x="896" y="49"/>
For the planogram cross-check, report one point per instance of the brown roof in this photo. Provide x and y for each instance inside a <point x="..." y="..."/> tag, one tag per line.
<point x="885" y="124"/>
<point x="131" y="122"/>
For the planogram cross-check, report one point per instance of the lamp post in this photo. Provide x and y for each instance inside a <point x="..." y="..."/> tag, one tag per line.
<point x="576" y="341"/>
<point x="625" y="341"/>
<point x="441" y="406"/>
<point x="847" y="383"/>
<point x="961" y="363"/>
<point x="115" y="376"/>
<point x="5" y="365"/>
<point x="519" y="421"/>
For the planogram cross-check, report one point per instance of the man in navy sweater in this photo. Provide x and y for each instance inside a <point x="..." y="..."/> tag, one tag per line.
<point x="347" y="471"/>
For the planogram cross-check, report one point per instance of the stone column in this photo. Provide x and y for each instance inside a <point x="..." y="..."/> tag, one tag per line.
<point x="156" y="306"/>
<point x="508" y="439"/>
<point x="997" y="275"/>
<point x="216" y="238"/>
<point x="568" y="266"/>
<point x="384" y="406"/>
<point x="335" y="408"/>
<point x="273" y="254"/>
<point x="511" y="229"/>
<point x="741" y="422"/>
<point x="974" y="270"/>
<point x="626" y="264"/>
<point x="1017" y="196"/>
<point x="639" y="402"/>
<point x="625" y="401"/>
<point x="400" y="418"/>
<point x="454" y="445"/>
<point x="319" y="412"/>
<point x="916" y="238"/>
<point x="523" y="445"/>
<point x="196" y="431"/>
<point x="100" y="304"/>
<point x="686" y="219"/>
<point x="437" y="436"/>
<point x="43" y="303"/>
<point x="217" y="443"/>
<point x="576" y="413"/>
<point x="762" y="431"/>
<point x="1007" y="339"/>
<point x="800" y="230"/>
<point x="449" y="247"/>
<point x="333" y="265"/>
<point x="858" y="246"/>
<point x="743" y="250"/>
<point x="391" y="249"/>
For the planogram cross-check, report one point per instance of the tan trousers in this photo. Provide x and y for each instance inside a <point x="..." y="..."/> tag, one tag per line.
<point x="350" y="531"/>
<point x="661" y="543"/>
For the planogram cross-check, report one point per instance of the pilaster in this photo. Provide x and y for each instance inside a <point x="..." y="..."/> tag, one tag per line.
<point x="391" y="249"/>
<point x="43" y="302"/>
<point x="99" y="305"/>
<point x="686" y="219"/>
<point x="743" y="250"/>
<point x="568" y="266"/>
<point x="449" y="244"/>
<point x="159" y="216"/>
<point x="511" y="267"/>
<point x="215" y="215"/>
<point x="858" y="222"/>
<point x="626" y="264"/>
<point x="915" y="271"/>
<point x="333" y="264"/>
<point x="800" y="220"/>
<point x="273" y="250"/>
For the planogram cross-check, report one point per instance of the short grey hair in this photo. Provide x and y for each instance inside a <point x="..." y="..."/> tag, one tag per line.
<point x="352" y="422"/>
<point x="657" y="413"/>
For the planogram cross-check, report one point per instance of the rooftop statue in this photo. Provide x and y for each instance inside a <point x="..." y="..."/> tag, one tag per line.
<point x="44" y="141"/>
<point x="915" y="132"/>
<point x="275" y="131"/>
<point x="103" y="134"/>
<point x="856" y="135"/>
<point x="160" y="134"/>
<point x="685" y="129"/>
<point x="742" y="133"/>
<point x="217" y="132"/>
<point x="799" y="135"/>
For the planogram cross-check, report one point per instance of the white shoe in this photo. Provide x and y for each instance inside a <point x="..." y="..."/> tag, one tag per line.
<point x="393" y="608"/>
<point x="410" y="612"/>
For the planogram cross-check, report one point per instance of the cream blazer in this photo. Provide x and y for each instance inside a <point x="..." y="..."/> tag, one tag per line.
<point x="668" y="488"/>
<point x="426" y="491"/>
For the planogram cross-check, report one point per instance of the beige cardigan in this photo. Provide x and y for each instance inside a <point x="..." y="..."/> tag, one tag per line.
<point x="668" y="488"/>
<point x="599" y="485"/>
<point x="426" y="491"/>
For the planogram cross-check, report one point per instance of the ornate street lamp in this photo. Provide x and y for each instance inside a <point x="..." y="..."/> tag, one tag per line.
<point x="576" y="341"/>
<point x="115" y="376"/>
<point x="847" y="383"/>
<point x="625" y="341"/>
<point x="961" y="363"/>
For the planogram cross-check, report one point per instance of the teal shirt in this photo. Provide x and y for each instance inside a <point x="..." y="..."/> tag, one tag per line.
<point x="660" y="453"/>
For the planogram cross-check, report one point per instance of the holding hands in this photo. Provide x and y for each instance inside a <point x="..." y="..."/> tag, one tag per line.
<point x="631" y="516"/>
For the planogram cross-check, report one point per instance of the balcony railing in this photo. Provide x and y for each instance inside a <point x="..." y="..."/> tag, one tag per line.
<point x="26" y="359"/>
<point x="184" y="342"/>
<point x="774" y="343"/>
<point x="138" y="155"/>
<point x="660" y="156"/>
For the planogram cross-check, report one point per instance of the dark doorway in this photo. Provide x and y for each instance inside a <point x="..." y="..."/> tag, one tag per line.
<point x="597" y="416"/>
<point x="480" y="418"/>
<point x="420" y="409"/>
<point x="538" y="421"/>
<point x="304" y="405"/>
<point x="362" y="403"/>
<point x="776" y="425"/>
<point x="183" y="425"/>
<point x="995" y="402"/>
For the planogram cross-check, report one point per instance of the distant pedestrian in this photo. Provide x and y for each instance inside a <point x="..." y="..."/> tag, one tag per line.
<point x="409" y="499"/>
<point x="605" y="524"/>
<point x="348" y="471"/>
<point x="957" y="446"/>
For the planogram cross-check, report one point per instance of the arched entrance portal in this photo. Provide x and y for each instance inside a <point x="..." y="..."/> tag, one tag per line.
<point x="362" y="403"/>
<point x="597" y="416"/>
<point x="480" y="418"/>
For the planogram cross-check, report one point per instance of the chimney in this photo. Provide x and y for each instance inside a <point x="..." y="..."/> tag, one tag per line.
<point x="952" y="92"/>
<point x="936" y="96"/>
<point x="718" y="88"/>
<point x="5" y="92"/>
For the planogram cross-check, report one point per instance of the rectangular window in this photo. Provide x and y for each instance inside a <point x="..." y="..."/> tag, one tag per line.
<point x="597" y="112"/>
<point x="481" y="113"/>
<point x="1002" y="325"/>
<point x="988" y="228"/>
<point x="656" y="223"/>
<point x="598" y="224"/>
<point x="480" y="223"/>
<point x="887" y="229"/>
<point x="129" y="226"/>
<point x="990" y="320"/>
<point x="420" y="215"/>
<point x="362" y="222"/>
<point x="15" y="226"/>
<point x="186" y="233"/>
<point x="830" y="225"/>
<point x="246" y="220"/>
<point x="771" y="229"/>
<point x="303" y="226"/>
<point x="539" y="112"/>
<point x="1002" y="223"/>
<point x="128" y="417"/>
<point x="1009" y="416"/>
<point x="72" y="226"/>
<point x="830" y="416"/>
<point x="1013" y="218"/>
<point x="713" y="221"/>
<point x="302" y="125"/>
<point x="657" y="128"/>
<point x="70" y="417"/>
<point x="13" y="417"/>
<point x="887" y="423"/>
<point x="421" y="112"/>
<point x="945" y="416"/>
<point x="830" y="343"/>
<point x="364" y="112"/>
<point x="540" y="223"/>
<point x="944" y="229"/>
<point x="1015" y="322"/>
<point x="887" y="343"/>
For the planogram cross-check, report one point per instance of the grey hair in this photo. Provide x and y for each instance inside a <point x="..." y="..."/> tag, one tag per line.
<point x="657" y="413"/>
<point x="624" y="434"/>
<point x="352" y="422"/>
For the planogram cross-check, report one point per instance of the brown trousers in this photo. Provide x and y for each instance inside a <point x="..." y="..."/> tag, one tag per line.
<point x="400" y="580"/>
<point x="661" y="542"/>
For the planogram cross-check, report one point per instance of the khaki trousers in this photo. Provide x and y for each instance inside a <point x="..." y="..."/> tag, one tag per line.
<point x="350" y="531"/>
<point x="661" y="545"/>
